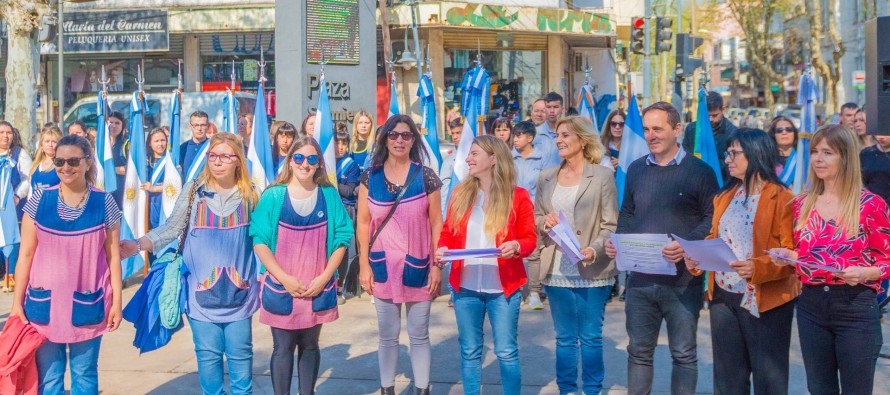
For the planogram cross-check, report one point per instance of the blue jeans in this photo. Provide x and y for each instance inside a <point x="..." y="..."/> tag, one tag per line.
<point x="84" y="359"/>
<point x="470" y="308"/>
<point x="578" y="318"/>
<point x="646" y="307"/>
<point x="233" y="339"/>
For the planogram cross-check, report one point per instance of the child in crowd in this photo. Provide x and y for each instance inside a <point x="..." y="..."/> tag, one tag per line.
<point x="529" y="163"/>
<point x="348" y="173"/>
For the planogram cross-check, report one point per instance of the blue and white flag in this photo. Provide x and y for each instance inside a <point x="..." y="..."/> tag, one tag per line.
<point x="172" y="181"/>
<point x="633" y="145"/>
<point x="705" y="147"/>
<point x="393" y="100"/>
<point x="324" y="132"/>
<point x="429" y="123"/>
<point x="586" y="105"/>
<point x="135" y="204"/>
<point x="106" y="179"/>
<point x="259" y="152"/>
<point x="807" y="95"/>
<point x="474" y="104"/>
<point x="9" y="221"/>
<point x="230" y="113"/>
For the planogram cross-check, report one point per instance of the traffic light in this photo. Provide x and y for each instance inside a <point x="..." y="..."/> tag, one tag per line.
<point x="638" y="35"/>
<point x="663" y="34"/>
<point x="686" y="45"/>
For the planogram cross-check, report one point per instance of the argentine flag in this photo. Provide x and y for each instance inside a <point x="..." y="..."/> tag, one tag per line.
<point x="586" y="105"/>
<point x="393" y="101"/>
<point x="135" y="204"/>
<point x="705" y="147"/>
<point x="808" y="94"/>
<point x="230" y="113"/>
<point x="172" y="180"/>
<point x="429" y="124"/>
<point x="259" y="153"/>
<point x="105" y="176"/>
<point x="474" y="104"/>
<point x="633" y="145"/>
<point x="324" y="132"/>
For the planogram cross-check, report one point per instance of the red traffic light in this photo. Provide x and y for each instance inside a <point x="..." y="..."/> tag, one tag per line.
<point x="638" y="23"/>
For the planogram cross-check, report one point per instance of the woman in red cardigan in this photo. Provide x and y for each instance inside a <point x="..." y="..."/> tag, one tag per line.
<point x="487" y="210"/>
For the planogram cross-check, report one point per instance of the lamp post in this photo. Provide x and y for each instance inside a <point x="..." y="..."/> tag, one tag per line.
<point x="60" y="34"/>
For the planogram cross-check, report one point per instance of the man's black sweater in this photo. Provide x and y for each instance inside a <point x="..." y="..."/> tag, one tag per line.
<point x="668" y="199"/>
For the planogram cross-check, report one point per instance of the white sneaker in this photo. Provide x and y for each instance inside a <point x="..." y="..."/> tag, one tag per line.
<point x="534" y="301"/>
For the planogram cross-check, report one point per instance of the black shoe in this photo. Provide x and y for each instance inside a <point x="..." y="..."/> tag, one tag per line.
<point x="422" y="391"/>
<point x="388" y="390"/>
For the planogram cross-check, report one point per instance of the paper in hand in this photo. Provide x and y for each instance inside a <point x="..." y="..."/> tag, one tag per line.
<point x="831" y="269"/>
<point x="457" y="255"/>
<point x="712" y="255"/>
<point x="565" y="239"/>
<point x="642" y="253"/>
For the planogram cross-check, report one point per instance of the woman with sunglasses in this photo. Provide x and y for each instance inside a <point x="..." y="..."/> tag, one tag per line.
<point x="212" y="221"/>
<point x="784" y="133"/>
<point x="752" y="305"/>
<point x="395" y="258"/>
<point x="300" y="233"/>
<point x="74" y="303"/>
<point x="611" y="134"/>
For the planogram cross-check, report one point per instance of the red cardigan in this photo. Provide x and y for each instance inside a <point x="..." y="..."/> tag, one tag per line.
<point x="520" y="227"/>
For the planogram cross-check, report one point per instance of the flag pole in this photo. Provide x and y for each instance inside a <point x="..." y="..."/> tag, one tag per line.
<point x="481" y="118"/>
<point x="140" y="85"/>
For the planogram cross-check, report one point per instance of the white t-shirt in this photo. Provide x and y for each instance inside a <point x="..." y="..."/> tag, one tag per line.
<point x="480" y="274"/>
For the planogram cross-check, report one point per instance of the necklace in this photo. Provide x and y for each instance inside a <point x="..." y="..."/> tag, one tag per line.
<point x="82" y="199"/>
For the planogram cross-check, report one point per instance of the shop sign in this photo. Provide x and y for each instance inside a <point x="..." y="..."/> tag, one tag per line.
<point x="116" y="31"/>
<point x="545" y="20"/>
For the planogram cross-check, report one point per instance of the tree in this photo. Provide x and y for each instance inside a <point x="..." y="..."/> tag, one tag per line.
<point x="755" y="17"/>
<point x="22" y="21"/>
<point x="831" y="74"/>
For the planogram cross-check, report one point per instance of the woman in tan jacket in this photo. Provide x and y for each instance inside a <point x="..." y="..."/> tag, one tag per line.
<point x="585" y="193"/>
<point x="751" y="307"/>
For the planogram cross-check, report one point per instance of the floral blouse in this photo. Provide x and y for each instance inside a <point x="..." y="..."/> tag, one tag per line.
<point x="822" y="242"/>
<point x="737" y="230"/>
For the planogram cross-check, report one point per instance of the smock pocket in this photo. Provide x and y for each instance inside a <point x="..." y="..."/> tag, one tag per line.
<point x="377" y="259"/>
<point x="222" y="290"/>
<point x="416" y="272"/>
<point x="276" y="299"/>
<point x="37" y="303"/>
<point x="327" y="299"/>
<point x="88" y="308"/>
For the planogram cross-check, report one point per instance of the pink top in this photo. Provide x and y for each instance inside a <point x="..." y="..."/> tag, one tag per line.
<point x="822" y="242"/>
<point x="301" y="251"/>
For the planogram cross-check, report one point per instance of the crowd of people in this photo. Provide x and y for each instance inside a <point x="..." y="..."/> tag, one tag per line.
<point x="390" y="226"/>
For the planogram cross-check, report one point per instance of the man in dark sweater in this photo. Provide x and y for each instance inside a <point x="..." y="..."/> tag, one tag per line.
<point x="721" y="126"/>
<point x="667" y="191"/>
<point x="875" y="162"/>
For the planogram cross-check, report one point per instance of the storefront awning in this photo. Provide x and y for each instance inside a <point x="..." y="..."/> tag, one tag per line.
<point x="505" y="18"/>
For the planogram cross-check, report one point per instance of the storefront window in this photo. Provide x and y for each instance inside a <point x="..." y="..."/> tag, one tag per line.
<point x="82" y="76"/>
<point x="216" y="74"/>
<point x="517" y="79"/>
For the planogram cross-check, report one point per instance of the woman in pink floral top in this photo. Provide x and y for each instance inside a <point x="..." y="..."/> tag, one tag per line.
<point x="842" y="234"/>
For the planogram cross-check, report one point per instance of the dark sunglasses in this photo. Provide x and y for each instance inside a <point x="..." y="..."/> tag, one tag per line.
<point x="617" y="124"/>
<point x="783" y="130"/>
<point x="73" y="162"/>
<point x="299" y="158"/>
<point x="407" y="136"/>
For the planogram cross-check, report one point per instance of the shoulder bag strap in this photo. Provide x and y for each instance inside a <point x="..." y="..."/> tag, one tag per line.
<point x="395" y="205"/>
<point x="188" y="217"/>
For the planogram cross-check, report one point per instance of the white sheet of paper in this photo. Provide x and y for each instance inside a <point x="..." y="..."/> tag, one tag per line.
<point x="831" y="269"/>
<point x="642" y="253"/>
<point x="712" y="255"/>
<point x="565" y="238"/>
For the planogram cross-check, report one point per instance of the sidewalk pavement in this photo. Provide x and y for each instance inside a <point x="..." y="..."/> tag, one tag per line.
<point x="349" y="359"/>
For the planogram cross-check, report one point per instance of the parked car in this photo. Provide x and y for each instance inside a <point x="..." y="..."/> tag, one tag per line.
<point x="756" y="117"/>
<point x="735" y="115"/>
<point x="791" y="113"/>
<point x="158" y="109"/>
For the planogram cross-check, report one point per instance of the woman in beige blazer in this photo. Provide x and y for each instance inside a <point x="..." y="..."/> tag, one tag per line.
<point x="585" y="193"/>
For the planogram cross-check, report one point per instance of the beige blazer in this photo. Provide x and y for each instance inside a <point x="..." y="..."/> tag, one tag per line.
<point x="596" y="217"/>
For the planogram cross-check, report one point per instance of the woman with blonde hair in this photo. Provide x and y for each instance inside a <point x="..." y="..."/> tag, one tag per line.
<point x="584" y="193"/>
<point x="300" y="233"/>
<point x="613" y="130"/>
<point x="245" y="128"/>
<point x="363" y="135"/>
<point x="842" y="252"/>
<point x="488" y="211"/>
<point x="212" y="221"/>
<point x="43" y="173"/>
